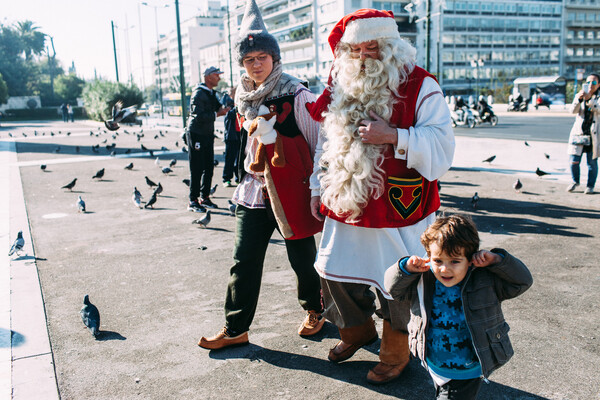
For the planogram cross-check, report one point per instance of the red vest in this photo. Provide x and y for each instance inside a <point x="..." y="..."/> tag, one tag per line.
<point x="408" y="197"/>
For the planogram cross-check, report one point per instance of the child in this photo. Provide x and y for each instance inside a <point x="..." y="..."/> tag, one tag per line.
<point x="456" y="327"/>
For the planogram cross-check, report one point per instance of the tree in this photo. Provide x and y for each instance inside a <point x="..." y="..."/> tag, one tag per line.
<point x="32" y="40"/>
<point x="3" y="91"/>
<point x="69" y="87"/>
<point x="100" y="96"/>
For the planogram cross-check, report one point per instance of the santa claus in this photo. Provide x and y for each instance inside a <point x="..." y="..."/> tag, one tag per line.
<point x="386" y="138"/>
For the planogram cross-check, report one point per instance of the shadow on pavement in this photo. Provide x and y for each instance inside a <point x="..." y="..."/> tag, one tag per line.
<point x="109" y="335"/>
<point x="487" y="218"/>
<point x="132" y="152"/>
<point x="7" y="336"/>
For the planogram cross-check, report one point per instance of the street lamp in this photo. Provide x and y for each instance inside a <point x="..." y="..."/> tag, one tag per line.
<point x="476" y="64"/>
<point x="160" y="95"/>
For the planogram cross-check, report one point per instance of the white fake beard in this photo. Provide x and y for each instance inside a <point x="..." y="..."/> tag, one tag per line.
<point x="352" y="169"/>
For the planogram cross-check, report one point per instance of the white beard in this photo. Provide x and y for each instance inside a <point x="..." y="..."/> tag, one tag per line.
<point x="352" y="170"/>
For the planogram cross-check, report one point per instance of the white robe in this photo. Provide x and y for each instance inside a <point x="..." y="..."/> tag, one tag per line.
<point x="354" y="254"/>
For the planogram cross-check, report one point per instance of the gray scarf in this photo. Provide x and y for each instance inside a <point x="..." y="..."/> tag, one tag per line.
<point x="249" y="99"/>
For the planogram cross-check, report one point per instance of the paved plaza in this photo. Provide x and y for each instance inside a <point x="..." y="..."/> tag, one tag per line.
<point x="159" y="281"/>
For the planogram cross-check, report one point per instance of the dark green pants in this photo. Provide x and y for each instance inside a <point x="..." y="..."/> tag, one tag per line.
<point x="253" y="232"/>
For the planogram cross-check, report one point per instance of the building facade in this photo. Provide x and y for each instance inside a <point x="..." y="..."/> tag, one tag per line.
<point x="581" y="38"/>
<point x="196" y="34"/>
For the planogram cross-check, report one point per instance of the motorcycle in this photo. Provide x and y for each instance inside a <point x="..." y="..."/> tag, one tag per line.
<point x="517" y="105"/>
<point x="488" y="116"/>
<point x="468" y="119"/>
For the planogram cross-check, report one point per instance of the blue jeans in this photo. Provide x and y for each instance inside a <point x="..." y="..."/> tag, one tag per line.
<point x="592" y="168"/>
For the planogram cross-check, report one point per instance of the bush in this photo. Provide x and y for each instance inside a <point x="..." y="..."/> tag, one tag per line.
<point x="42" y="113"/>
<point x="100" y="97"/>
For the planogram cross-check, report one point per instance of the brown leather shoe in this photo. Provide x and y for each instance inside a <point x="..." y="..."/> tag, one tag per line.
<point x="343" y="351"/>
<point x="384" y="373"/>
<point x="312" y="324"/>
<point x="222" y="340"/>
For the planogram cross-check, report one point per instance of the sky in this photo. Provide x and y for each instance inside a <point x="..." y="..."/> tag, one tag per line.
<point x="81" y="30"/>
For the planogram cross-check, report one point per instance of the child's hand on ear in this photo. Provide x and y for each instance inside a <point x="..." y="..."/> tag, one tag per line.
<point x="483" y="258"/>
<point x="416" y="265"/>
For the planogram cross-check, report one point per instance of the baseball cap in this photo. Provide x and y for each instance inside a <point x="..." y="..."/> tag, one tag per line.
<point x="212" y="70"/>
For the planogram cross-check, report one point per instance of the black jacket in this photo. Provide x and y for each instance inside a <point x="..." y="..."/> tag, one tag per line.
<point x="203" y="106"/>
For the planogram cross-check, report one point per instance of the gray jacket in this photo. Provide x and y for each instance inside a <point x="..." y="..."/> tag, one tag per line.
<point x="482" y="292"/>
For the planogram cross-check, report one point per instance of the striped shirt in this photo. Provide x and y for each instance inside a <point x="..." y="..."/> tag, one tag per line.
<point x="249" y="192"/>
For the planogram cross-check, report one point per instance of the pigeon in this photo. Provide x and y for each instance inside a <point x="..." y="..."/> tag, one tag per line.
<point x="149" y="182"/>
<point x="155" y="137"/>
<point x="150" y="203"/>
<point x="143" y="147"/>
<point x="118" y="114"/>
<point x="232" y="207"/>
<point x="526" y="144"/>
<point x="172" y="163"/>
<point x="80" y="204"/>
<point x="163" y="148"/>
<point x="213" y="189"/>
<point x="137" y="198"/>
<point x="90" y="316"/>
<point x="158" y="190"/>
<point x="151" y="152"/>
<point x="216" y="162"/>
<point x="186" y="181"/>
<point x="539" y="172"/>
<point x="127" y="151"/>
<point x="104" y="141"/>
<point x="77" y="149"/>
<point x="99" y="174"/>
<point x="129" y="166"/>
<point x="204" y="221"/>
<point x="489" y="159"/>
<point x="18" y="244"/>
<point x="547" y="156"/>
<point x="70" y="185"/>
<point x="518" y="185"/>
<point x="113" y="153"/>
<point x="57" y="150"/>
<point x="184" y="149"/>
<point x="43" y="167"/>
<point x="176" y="144"/>
<point x="166" y="170"/>
<point x="475" y="200"/>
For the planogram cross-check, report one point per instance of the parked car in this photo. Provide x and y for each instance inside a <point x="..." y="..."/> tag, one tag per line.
<point x="143" y="111"/>
<point x="154" y="108"/>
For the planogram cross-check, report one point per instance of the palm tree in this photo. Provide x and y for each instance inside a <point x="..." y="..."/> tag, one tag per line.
<point x="32" y="39"/>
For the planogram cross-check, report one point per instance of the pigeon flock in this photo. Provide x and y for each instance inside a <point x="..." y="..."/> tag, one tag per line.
<point x="89" y="312"/>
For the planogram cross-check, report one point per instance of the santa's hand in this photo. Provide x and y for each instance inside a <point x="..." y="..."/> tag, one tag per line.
<point x="416" y="265"/>
<point x="315" y="205"/>
<point x="377" y="131"/>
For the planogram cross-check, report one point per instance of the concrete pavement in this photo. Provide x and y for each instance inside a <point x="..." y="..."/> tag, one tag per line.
<point x="158" y="292"/>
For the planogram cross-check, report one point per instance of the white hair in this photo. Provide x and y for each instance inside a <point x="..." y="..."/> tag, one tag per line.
<point x="352" y="170"/>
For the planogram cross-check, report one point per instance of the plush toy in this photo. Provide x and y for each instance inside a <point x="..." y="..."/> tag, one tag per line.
<point x="262" y="128"/>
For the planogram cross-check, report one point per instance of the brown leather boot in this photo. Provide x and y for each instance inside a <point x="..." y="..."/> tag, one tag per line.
<point x="394" y="356"/>
<point x="353" y="338"/>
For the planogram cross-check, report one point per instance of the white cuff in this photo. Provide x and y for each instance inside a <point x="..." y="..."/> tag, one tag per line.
<point x="402" y="148"/>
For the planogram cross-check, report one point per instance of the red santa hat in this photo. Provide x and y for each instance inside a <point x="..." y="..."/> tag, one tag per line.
<point x="364" y="25"/>
<point x="360" y="26"/>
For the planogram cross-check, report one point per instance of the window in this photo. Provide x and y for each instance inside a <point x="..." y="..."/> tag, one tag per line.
<point x="589" y="52"/>
<point x="590" y="17"/>
<point x="580" y="34"/>
<point x="590" y="34"/>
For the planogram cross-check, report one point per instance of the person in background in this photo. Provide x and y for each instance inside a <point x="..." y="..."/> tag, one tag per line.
<point x="200" y="138"/>
<point x="70" y="112"/>
<point x="232" y="145"/>
<point x="583" y="138"/>
<point x="64" y="110"/>
<point x="275" y="196"/>
<point x="457" y="328"/>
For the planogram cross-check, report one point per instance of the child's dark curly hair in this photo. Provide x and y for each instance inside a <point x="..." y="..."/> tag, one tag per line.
<point x="454" y="234"/>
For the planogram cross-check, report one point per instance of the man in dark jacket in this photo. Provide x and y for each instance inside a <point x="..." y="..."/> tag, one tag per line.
<point x="232" y="145"/>
<point x="204" y="108"/>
